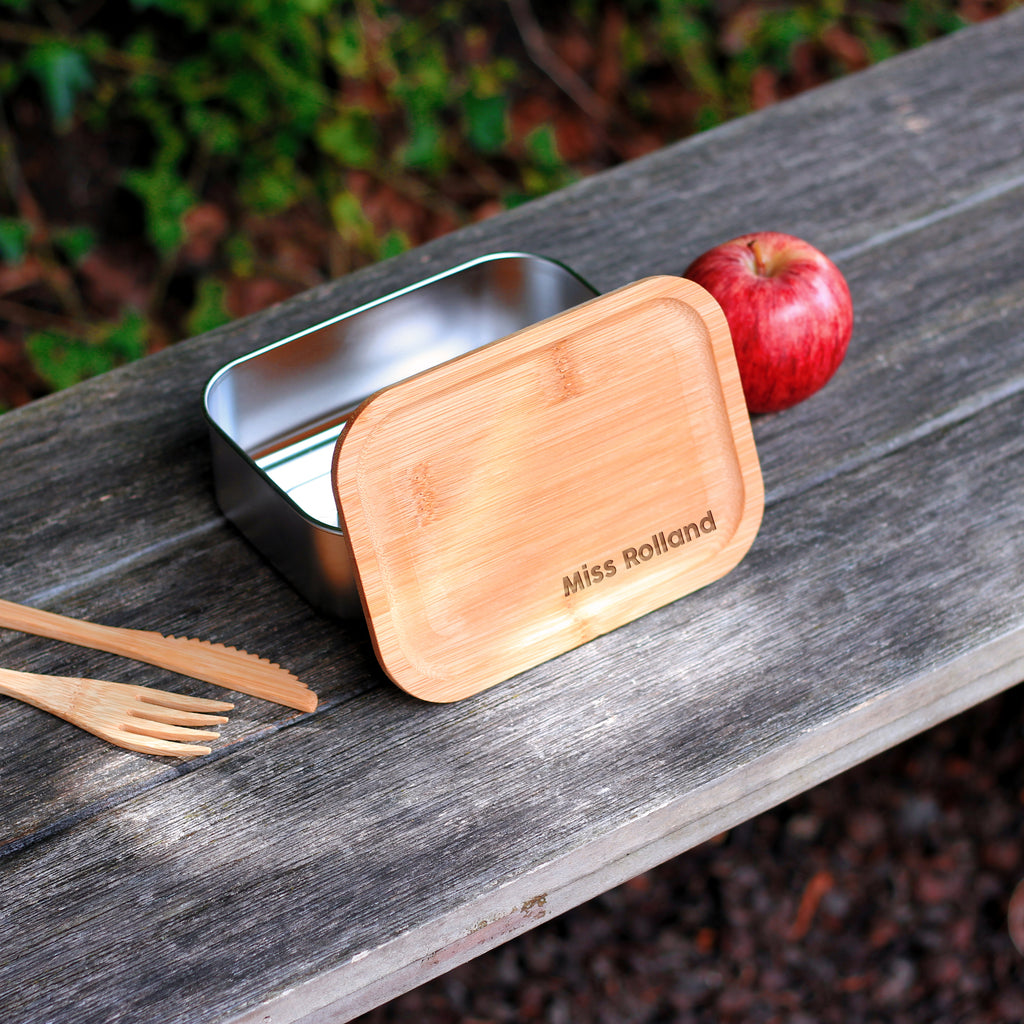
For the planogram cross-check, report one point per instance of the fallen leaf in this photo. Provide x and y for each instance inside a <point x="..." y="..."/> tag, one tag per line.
<point x="820" y="883"/>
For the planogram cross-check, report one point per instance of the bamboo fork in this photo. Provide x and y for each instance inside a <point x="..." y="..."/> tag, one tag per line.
<point x="200" y="659"/>
<point x="136" y="717"/>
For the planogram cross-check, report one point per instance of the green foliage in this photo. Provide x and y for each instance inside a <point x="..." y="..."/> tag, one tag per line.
<point x="337" y="108"/>
<point x="75" y="242"/>
<point x="62" y="360"/>
<point x="718" y="49"/>
<point x="167" y="197"/>
<point x="14" y="235"/>
<point x="63" y="71"/>
<point x="209" y="310"/>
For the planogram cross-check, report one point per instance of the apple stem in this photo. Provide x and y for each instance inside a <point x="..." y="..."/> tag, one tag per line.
<point x="759" y="264"/>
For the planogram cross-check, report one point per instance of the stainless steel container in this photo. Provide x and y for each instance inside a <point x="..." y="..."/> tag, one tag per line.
<point x="275" y="415"/>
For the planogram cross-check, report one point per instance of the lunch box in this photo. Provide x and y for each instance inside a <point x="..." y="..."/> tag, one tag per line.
<point x="495" y="463"/>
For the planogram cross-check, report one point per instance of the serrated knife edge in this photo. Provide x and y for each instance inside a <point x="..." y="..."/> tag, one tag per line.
<point x="211" y="662"/>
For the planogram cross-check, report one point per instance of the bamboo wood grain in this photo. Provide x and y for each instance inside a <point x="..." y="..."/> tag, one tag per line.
<point x="200" y="659"/>
<point x="545" y="489"/>
<point x="138" y="718"/>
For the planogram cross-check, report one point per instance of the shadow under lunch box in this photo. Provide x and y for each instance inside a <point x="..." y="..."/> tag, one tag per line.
<point x="498" y="464"/>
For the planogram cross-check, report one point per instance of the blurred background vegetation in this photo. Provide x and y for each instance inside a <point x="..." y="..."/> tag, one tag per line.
<point x="166" y="165"/>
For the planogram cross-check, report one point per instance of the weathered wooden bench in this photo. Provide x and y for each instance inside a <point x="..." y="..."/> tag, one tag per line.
<point x="315" y="865"/>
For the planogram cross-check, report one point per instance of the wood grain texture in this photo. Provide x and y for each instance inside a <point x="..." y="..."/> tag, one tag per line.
<point x="534" y="494"/>
<point x="354" y="852"/>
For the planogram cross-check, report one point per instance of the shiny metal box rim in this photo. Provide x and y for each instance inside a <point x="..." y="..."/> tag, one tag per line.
<point x="275" y="415"/>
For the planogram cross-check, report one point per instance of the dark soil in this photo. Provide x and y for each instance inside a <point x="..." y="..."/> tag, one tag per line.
<point x="880" y="897"/>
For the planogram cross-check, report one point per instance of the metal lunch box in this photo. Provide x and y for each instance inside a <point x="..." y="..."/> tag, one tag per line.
<point x="276" y="414"/>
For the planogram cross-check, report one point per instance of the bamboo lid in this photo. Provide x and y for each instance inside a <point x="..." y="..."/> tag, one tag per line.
<point x="542" y="490"/>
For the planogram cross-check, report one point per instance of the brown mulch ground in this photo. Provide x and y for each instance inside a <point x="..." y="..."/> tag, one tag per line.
<point x="880" y="897"/>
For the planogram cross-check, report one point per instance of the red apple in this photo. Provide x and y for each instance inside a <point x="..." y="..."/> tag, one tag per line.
<point x="789" y="311"/>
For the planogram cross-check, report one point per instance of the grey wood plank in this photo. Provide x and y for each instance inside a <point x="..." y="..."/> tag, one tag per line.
<point x="357" y="850"/>
<point x="52" y="774"/>
<point x="933" y="345"/>
<point x="935" y="337"/>
<point x="663" y="733"/>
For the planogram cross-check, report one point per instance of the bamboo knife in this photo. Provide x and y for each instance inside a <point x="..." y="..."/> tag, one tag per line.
<point x="200" y="659"/>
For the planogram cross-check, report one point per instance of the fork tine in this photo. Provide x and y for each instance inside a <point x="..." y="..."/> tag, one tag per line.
<point x="180" y="701"/>
<point x="166" y="740"/>
<point x="150" y="745"/>
<point x="166" y="731"/>
<point x="168" y="716"/>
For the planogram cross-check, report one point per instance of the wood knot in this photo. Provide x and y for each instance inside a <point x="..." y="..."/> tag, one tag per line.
<point x="424" y="497"/>
<point x="566" y="374"/>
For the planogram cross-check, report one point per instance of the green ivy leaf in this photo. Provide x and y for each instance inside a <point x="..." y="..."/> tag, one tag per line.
<point x="351" y="138"/>
<point x="548" y="171"/>
<point x="221" y="133"/>
<point x="486" y="123"/>
<point x="346" y="49"/>
<point x="246" y="88"/>
<point x="63" y="73"/>
<point x="209" y="310"/>
<point x="166" y="198"/>
<point x="350" y="222"/>
<point x="14" y="236"/>
<point x="63" y="361"/>
<point x="272" y="188"/>
<point x="241" y="254"/>
<point x="393" y="243"/>
<point x="124" y="341"/>
<point x="75" y="242"/>
<point x="426" y="146"/>
<point x="543" y="147"/>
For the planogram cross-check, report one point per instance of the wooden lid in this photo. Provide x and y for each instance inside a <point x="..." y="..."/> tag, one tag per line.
<point x="535" y="493"/>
